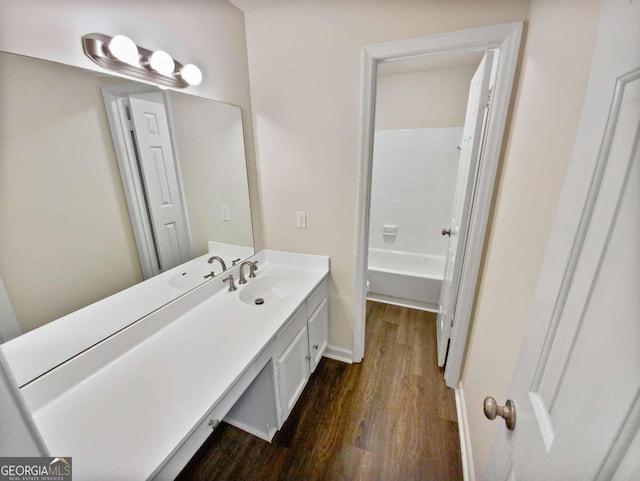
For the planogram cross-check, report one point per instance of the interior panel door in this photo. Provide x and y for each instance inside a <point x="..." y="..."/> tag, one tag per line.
<point x="470" y="151"/>
<point x="161" y="183"/>
<point x="577" y="383"/>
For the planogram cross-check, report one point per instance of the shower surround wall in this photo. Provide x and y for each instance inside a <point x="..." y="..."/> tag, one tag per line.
<point x="412" y="188"/>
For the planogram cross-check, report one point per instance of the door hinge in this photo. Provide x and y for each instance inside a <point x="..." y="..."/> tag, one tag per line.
<point x="128" y="117"/>
<point x="489" y="97"/>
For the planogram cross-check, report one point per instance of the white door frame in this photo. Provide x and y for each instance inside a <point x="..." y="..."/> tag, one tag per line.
<point x="131" y="181"/>
<point x="505" y="39"/>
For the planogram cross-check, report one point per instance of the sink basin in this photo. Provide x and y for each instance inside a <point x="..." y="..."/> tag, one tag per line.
<point x="190" y="277"/>
<point x="269" y="288"/>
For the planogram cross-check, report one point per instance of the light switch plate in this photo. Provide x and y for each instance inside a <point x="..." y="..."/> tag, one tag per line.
<point x="301" y="220"/>
<point x="224" y="212"/>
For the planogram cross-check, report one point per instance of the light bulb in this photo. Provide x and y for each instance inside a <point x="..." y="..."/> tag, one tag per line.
<point x="162" y="62"/>
<point x="191" y="74"/>
<point x="123" y="49"/>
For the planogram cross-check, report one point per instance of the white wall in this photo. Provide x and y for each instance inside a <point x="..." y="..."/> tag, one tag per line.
<point x="9" y="325"/>
<point x="66" y="240"/>
<point x="548" y="100"/>
<point x="305" y="62"/>
<point x="212" y="162"/>
<point x="435" y="98"/>
<point x="412" y="186"/>
<point x="210" y="34"/>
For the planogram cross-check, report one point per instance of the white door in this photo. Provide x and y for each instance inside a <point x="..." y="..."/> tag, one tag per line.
<point x="576" y="386"/>
<point x="161" y="183"/>
<point x="470" y="151"/>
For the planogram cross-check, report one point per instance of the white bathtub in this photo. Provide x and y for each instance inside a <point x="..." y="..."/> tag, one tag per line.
<point x="405" y="278"/>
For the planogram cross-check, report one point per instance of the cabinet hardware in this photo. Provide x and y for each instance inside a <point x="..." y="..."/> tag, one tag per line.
<point x="315" y="346"/>
<point x="214" y="424"/>
<point x="308" y="357"/>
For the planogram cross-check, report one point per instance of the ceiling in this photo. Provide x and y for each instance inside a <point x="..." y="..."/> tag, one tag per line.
<point x="246" y="5"/>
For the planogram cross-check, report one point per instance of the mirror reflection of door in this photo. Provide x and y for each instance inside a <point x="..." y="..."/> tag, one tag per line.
<point x="162" y="190"/>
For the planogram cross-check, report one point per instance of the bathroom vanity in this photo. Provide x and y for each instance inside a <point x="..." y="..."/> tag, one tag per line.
<point x="139" y="403"/>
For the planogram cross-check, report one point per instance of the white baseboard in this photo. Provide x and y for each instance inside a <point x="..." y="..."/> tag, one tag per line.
<point x="339" y="354"/>
<point x="468" y="472"/>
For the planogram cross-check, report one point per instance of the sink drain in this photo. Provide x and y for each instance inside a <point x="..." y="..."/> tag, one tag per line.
<point x="259" y="301"/>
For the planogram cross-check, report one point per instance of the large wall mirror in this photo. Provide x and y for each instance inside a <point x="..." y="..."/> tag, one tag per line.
<point x="68" y="235"/>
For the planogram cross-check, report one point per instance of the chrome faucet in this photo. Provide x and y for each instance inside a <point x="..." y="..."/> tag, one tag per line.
<point x="232" y="285"/>
<point x="219" y="259"/>
<point x="253" y="267"/>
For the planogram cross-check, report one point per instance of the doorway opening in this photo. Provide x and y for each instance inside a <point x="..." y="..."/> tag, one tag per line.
<point x="448" y="274"/>
<point x="420" y="116"/>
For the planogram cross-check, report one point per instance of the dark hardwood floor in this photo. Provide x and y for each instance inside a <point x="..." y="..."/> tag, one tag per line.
<point x="389" y="418"/>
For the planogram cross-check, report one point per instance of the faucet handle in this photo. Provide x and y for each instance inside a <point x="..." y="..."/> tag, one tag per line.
<point x="232" y="285"/>
<point x="253" y="268"/>
<point x="235" y="261"/>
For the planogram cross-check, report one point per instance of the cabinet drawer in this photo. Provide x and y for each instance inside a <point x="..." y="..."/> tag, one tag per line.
<point x="316" y="296"/>
<point x="196" y="439"/>
<point x="292" y="328"/>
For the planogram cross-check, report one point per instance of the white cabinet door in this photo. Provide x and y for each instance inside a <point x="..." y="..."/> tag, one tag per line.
<point x="293" y="372"/>
<point x="318" y="333"/>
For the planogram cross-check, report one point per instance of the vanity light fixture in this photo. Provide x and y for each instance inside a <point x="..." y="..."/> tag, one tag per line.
<point x="120" y="54"/>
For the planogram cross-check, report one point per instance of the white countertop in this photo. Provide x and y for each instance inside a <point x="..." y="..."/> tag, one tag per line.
<point x="125" y="419"/>
<point x="32" y="354"/>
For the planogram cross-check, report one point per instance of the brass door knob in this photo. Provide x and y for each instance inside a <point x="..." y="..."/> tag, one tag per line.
<point x="507" y="412"/>
<point x="446" y="232"/>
